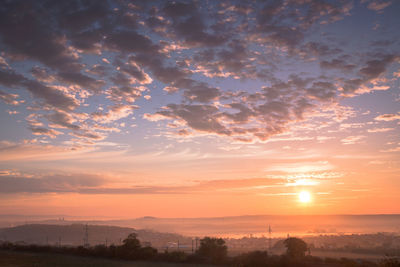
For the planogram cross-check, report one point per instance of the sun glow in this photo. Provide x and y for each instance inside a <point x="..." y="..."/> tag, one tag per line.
<point x="304" y="197"/>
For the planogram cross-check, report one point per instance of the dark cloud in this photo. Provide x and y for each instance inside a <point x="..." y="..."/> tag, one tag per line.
<point x="48" y="183"/>
<point x="60" y="119"/>
<point x="88" y="134"/>
<point x="9" y="78"/>
<point x="322" y="91"/>
<point x="77" y="16"/>
<point x="49" y="95"/>
<point x="327" y="11"/>
<point x="125" y="93"/>
<point x="44" y="131"/>
<point x="337" y="64"/>
<point x="253" y="116"/>
<point x="175" y="77"/>
<point x="89" y="41"/>
<point x="84" y="22"/>
<point x="199" y="117"/>
<point x="319" y="49"/>
<point x="24" y="29"/>
<point x="232" y="61"/>
<point x="81" y="80"/>
<point x="352" y="85"/>
<point x="98" y="70"/>
<point x="373" y="68"/>
<point x="198" y="187"/>
<point x="131" y="69"/>
<point x="376" y="67"/>
<point x="244" y="114"/>
<point x="94" y="184"/>
<point x="130" y="42"/>
<point x="189" y="26"/>
<point x="201" y="92"/>
<point x="164" y="73"/>
<point x="42" y="74"/>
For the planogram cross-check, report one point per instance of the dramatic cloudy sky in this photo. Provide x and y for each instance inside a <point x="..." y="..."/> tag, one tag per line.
<point x="199" y="108"/>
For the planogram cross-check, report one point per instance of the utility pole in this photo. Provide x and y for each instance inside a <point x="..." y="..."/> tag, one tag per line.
<point x="269" y="239"/>
<point x="86" y="237"/>
<point x="192" y="245"/>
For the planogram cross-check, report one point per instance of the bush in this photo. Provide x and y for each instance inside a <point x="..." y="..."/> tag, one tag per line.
<point x="254" y="258"/>
<point x="147" y="253"/>
<point x="390" y="262"/>
<point x="174" y="256"/>
<point x="213" y="250"/>
<point x="296" y="247"/>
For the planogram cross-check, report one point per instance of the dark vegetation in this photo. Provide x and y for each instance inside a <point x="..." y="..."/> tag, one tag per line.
<point x="211" y="251"/>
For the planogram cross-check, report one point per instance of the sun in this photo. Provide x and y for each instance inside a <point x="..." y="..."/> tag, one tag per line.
<point x="304" y="197"/>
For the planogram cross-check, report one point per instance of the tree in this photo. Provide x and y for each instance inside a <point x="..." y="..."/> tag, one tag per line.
<point x="130" y="249"/>
<point x="296" y="247"/>
<point x="131" y="242"/>
<point x="213" y="249"/>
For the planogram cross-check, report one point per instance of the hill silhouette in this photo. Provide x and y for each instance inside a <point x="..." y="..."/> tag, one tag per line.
<point x="73" y="235"/>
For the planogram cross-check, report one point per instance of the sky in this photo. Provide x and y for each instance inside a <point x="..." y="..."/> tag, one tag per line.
<point x="127" y="108"/>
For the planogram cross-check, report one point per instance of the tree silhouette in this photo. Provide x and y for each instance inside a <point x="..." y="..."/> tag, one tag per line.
<point x="131" y="242"/>
<point x="296" y="247"/>
<point x="130" y="248"/>
<point x="213" y="249"/>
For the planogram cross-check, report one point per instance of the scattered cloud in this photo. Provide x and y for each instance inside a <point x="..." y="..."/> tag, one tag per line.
<point x="183" y="46"/>
<point x="388" y="117"/>
<point x="379" y="5"/>
<point x="10" y="99"/>
<point x="354" y="139"/>
<point x="114" y="113"/>
<point x="380" y="130"/>
<point x="301" y="93"/>
<point x="305" y="168"/>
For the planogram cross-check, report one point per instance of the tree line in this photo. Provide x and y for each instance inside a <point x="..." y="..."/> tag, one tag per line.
<point x="211" y="251"/>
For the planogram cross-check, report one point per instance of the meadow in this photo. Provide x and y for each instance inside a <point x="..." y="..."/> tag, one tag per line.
<point x="29" y="259"/>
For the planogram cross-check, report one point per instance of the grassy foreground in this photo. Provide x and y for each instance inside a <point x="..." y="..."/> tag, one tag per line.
<point x="28" y="259"/>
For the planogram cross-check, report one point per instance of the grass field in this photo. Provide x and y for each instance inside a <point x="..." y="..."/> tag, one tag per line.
<point x="27" y="259"/>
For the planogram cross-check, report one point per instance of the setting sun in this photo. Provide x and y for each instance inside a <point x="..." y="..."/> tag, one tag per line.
<point x="304" y="197"/>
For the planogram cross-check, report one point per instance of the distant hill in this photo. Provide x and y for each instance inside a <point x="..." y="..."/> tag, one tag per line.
<point x="73" y="235"/>
<point x="235" y="226"/>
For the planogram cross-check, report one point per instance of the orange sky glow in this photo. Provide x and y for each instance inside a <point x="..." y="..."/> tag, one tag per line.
<point x="172" y="109"/>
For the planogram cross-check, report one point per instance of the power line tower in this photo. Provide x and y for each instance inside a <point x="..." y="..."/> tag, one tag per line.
<point x="86" y="237"/>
